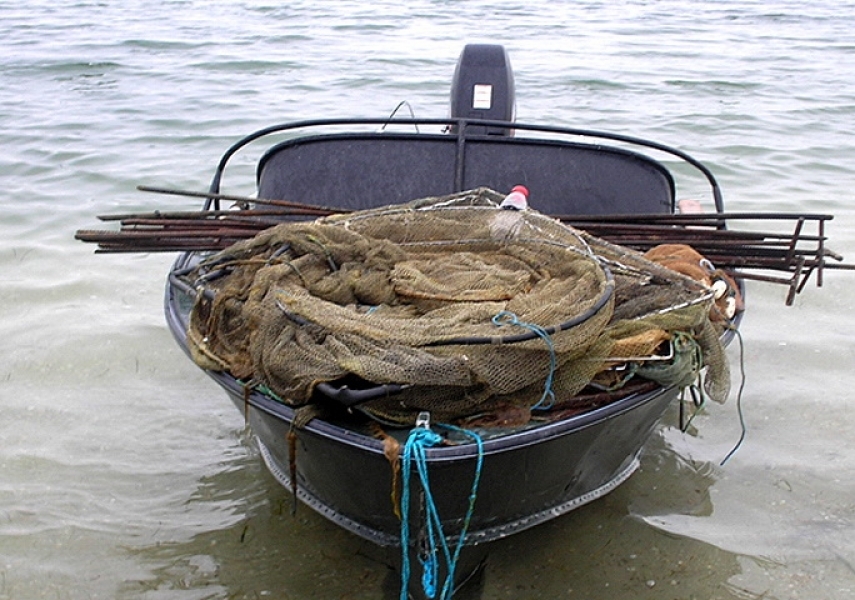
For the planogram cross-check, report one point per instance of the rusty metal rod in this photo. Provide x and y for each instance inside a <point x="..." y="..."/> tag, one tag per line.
<point x="149" y="238"/>
<point x="693" y="218"/>
<point x="210" y="230"/>
<point x="210" y="214"/>
<point x="616" y="228"/>
<point x="318" y="209"/>
<point x="256" y="224"/>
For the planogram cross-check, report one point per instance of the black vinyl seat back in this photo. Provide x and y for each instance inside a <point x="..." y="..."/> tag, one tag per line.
<point x="366" y="170"/>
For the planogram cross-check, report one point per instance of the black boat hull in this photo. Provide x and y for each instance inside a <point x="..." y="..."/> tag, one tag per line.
<point x="526" y="479"/>
<point x="528" y="476"/>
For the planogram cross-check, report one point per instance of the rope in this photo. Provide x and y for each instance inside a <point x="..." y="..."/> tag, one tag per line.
<point x="699" y="400"/>
<point x="743" y="427"/>
<point x="420" y="439"/>
<point x="547" y="400"/>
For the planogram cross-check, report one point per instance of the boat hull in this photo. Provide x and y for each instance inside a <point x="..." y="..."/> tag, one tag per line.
<point x="526" y="478"/>
<point x="529" y="475"/>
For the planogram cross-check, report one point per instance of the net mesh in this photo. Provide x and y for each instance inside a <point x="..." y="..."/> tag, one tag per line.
<point x="410" y="294"/>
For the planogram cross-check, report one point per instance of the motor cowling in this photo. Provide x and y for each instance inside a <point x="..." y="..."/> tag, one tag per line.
<point x="483" y="88"/>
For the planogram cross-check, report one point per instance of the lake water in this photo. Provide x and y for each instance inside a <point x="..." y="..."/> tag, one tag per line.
<point x="125" y="473"/>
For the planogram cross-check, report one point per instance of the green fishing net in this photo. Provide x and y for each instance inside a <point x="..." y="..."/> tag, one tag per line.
<point x="463" y="305"/>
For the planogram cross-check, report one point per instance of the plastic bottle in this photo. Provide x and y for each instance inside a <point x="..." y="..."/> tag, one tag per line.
<point x="517" y="199"/>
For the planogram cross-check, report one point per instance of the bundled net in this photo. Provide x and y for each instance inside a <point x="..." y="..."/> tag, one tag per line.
<point x="466" y="306"/>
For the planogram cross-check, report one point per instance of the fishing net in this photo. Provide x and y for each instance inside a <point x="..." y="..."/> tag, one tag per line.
<point x="465" y="306"/>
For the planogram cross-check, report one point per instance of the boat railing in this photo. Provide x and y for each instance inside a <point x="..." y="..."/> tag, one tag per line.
<point x="586" y="171"/>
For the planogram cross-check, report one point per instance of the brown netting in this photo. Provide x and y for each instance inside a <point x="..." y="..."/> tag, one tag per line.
<point x="468" y="306"/>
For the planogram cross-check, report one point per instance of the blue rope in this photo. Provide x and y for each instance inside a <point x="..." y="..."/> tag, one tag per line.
<point x="547" y="400"/>
<point x="418" y="441"/>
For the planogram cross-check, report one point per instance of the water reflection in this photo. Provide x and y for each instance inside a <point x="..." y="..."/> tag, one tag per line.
<point x="605" y="549"/>
<point x="267" y="552"/>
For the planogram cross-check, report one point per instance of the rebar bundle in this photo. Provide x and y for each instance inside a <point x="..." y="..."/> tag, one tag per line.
<point x="789" y="255"/>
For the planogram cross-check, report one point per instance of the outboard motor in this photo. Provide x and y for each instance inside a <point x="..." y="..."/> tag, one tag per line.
<point x="483" y="88"/>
